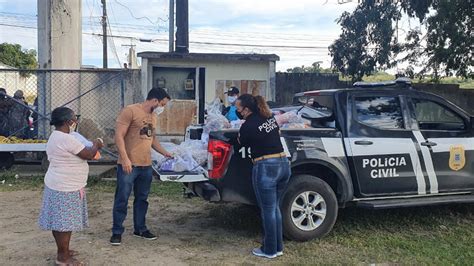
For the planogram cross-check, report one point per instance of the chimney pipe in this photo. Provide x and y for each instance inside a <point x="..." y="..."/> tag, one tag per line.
<point x="182" y="25"/>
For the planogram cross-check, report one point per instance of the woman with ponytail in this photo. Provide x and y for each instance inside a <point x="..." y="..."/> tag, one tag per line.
<point x="271" y="169"/>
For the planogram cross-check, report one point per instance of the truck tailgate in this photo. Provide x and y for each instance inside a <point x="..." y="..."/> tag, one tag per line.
<point x="182" y="177"/>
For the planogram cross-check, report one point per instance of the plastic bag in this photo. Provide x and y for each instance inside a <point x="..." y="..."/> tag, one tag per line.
<point x="215" y="122"/>
<point x="86" y="143"/>
<point x="236" y="124"/>
<point x="82" y="139"/>
<point x="185" y="163"/>
<point x="188" y="155"/>
<point x="292" y="120"/>
<point x="215" y="107"/>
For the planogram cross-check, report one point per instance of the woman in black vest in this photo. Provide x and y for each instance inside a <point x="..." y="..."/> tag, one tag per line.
<point x="271" y="169"/>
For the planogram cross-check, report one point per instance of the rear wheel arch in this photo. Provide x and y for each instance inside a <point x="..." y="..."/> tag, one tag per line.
<point x="309" y="208"/>
<point x="325" y="171"/>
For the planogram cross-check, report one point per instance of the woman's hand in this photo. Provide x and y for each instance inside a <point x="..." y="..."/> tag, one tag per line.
<point x="99" y="143"/>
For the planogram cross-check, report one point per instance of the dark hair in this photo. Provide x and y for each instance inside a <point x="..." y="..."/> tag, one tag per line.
<point x="61" y="115"/>
<point x="158" y="93"/>
<point x="256" y="104"/>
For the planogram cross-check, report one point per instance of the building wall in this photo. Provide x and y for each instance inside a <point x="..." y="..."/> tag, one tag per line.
<point x="215" y="71"/>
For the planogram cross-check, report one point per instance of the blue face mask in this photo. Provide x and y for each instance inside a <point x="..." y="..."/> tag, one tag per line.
<point x="231" y="99"/>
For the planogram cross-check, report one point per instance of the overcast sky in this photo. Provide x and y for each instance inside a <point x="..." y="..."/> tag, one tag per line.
<point x="304" y="27"/>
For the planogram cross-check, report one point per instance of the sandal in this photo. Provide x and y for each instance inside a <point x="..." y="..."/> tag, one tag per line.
<point x="74" y="253"/>
<point x="71" y="262"/>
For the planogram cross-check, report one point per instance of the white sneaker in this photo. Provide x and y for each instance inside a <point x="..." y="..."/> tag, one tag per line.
<point x="259" y="253"/>
<point x="279" y="253"/>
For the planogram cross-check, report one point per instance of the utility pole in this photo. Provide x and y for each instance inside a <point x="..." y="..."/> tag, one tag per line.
<point x="104" y="33"/>
<point x="132" y="59"/>
<point x="171" y="30"/>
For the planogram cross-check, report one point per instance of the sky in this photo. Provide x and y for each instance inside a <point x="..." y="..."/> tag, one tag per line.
<point x="302" y="30"/>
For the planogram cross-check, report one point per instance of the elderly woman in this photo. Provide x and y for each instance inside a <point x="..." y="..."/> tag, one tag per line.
<point x="64" y="207"/>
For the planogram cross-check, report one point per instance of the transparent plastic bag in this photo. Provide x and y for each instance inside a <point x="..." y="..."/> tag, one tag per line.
<point x="292" y="120"/>
<point x="185" y="163"/>
<point x="236" y="124"/>
<point x="215" y="107"/>
<point x="215" y="122"/>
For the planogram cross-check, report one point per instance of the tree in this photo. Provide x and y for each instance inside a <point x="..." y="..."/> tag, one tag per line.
<point x="13" y="55"/>
<point x="369" y="38"/>
<point x="314" y="68"/>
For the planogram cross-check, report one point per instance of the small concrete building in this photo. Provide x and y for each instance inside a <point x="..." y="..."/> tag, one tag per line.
<point x="193" y="79"/>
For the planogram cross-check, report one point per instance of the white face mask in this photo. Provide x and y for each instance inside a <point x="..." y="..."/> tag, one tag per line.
<point x="72" y="128"/>
<point x="231" y="99"/>
<point x="159" y="110"/>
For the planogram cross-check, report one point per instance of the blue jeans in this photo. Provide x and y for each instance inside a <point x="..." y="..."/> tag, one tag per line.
<point x="269" y="178"/>
<point x="140" y="181"/>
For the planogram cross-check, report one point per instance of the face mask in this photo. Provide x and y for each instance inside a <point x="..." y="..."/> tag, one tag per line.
<point x="159" y="110"/>
<point x="231" y="99"/>
<point x="239" y="115"/>
<point x="72" y="128"/>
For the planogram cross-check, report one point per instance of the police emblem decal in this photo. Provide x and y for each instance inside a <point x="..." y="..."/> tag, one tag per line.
<point x="457" y="157"/>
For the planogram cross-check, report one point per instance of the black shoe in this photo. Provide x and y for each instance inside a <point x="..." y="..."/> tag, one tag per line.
<point x="146" y="235"/>
<point x="116" y="240"/>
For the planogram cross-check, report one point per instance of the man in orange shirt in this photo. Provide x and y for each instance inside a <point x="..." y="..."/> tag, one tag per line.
<point x="134" y="137"/>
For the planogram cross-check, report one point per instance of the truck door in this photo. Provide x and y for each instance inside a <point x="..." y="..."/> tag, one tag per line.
<point x="381" y="147"/>
<point x="446" y="140"/>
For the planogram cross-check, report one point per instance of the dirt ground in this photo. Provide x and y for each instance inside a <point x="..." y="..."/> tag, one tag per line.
<point x="187" y="234"/>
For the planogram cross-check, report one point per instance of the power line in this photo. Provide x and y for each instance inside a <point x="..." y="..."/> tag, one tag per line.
<point x="114" y="49"/>
<point x="212" y="33"/>
<point x="18" y="26"/>
<point x="135" y="17"/>
<point x="194" y="42"/>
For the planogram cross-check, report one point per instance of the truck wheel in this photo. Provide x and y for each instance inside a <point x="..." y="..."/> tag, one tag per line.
<point x="44" y="163"/>
<point x="309" y="208"/>
<point x="6" y="160"/>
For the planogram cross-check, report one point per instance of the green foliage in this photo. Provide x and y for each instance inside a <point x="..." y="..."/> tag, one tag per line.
<point x="13" y="55"/>
<point x="314" y="68"/>
<point x="369" y="38"/>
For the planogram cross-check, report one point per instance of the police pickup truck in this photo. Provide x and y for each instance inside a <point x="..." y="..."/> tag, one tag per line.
<point x="376" y="145"/>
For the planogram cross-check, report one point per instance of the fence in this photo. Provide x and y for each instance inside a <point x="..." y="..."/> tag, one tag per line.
<point x="96" y="95"/>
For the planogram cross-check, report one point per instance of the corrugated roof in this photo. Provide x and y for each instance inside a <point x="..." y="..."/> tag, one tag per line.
<point x="210" y="56"/>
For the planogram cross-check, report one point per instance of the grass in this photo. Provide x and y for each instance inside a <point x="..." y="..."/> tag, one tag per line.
<point x="440" y="235"/>
<point x="158" y="189"/>
<point x="383" y="76"/>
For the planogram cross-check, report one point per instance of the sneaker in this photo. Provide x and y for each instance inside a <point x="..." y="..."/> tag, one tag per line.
<point x="259" y="253"/>
<point x="279" y="253"/>
<point x="146" y="235"/>
<point x="116" y="240"/>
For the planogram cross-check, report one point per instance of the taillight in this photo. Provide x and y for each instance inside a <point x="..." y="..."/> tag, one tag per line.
<point x="219" y="153"/>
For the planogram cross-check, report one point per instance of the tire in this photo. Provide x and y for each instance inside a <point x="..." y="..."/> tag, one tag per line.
<point x="6" y="160"/>
<point x="296" y="211"/>
<point x="44" y="163"/>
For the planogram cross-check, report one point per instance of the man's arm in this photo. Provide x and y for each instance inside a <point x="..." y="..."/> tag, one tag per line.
<point x="120" y="132"/>
<point x="157" y="146"/>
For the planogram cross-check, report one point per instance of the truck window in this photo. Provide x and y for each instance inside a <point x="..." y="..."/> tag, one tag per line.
<point x="382" y="112"/>
<point x="433" y="116"/>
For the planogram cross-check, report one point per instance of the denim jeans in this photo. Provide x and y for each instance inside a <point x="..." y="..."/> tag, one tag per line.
<point x="269" y="178"/>
<point x="140" y="181"/>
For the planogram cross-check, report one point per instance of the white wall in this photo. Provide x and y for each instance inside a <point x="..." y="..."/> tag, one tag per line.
<point x="225" y="70"/>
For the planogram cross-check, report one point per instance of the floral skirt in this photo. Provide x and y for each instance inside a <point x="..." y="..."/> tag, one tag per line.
<point x="63" y="211"/>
